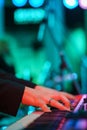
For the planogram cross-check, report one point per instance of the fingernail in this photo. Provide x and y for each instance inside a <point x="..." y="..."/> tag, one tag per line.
<point x="48" y="111"/>
<point x="68" y="109"/>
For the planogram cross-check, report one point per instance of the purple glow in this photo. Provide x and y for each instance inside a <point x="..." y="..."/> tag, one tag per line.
<point x="83" y="4"/>
<point x="81" y="124"/>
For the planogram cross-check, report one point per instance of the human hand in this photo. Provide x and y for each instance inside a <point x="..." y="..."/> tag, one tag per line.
<point x="57" y="99"/>
<point x="42" y="96"/>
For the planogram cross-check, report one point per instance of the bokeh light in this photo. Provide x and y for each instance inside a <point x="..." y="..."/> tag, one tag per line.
<point x="19" y="3"/>
<point x="26" y="16"/>
<point x="70" y="4"/>
<point x="36" y="3"/>
<point x="83" y="4"/>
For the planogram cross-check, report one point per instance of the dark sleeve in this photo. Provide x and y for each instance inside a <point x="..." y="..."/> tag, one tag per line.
<point x="10" y="96"/>
<point x="11" y="92"/>
<point x="8" y="76"/>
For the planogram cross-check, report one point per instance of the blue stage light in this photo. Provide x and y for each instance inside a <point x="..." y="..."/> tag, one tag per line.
<point x="19" y="3"/>
<point x="36" y="3"/>
<point x="70" y="4"/>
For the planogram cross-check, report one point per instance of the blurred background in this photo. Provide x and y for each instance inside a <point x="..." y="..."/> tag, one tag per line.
<point x="44" y="41"/>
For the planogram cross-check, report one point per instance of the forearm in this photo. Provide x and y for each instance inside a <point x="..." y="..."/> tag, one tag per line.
<point x="10" y="96"/>
<point x="11" y="92"/>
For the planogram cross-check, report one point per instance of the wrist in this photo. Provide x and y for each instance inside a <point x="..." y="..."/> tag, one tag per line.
<point x="27" y="92"/>
<point x="37" y="87"/>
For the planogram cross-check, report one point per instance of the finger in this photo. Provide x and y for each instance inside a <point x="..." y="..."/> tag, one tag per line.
<point x="64" y="101"/>
<point x="58" y="105"/>
<point x="69" y="96"/>
<point x="44" y="107"/>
